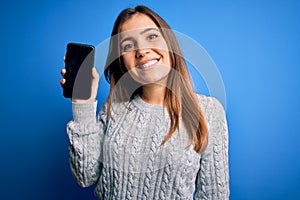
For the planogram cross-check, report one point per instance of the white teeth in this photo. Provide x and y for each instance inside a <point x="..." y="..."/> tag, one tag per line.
<point x="148" y="64"/>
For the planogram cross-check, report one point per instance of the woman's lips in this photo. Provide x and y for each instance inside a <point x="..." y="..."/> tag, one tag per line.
<point x="147" y="64"/>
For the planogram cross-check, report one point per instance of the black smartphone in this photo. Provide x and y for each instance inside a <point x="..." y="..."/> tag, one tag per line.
<point x="78" y="64"/>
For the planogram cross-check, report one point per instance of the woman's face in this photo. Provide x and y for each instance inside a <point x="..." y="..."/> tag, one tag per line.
<point x="144" y="50"/>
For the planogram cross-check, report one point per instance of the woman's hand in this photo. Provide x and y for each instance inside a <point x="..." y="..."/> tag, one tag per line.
<point x="95" y="81"/>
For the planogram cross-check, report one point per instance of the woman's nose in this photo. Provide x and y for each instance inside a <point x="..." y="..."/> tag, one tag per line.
<point x="142" y="48"/>
<point x="141" y="52"/>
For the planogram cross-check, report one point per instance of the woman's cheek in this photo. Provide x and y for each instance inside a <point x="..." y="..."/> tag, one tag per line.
<point x="128" y="61"/>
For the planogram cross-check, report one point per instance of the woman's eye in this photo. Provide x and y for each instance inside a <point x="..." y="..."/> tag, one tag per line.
<point x="128" y="47"/>
<point x="152" y="36"/>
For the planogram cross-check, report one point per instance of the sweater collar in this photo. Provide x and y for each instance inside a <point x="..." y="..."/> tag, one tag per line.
<point x="144" y="106"/>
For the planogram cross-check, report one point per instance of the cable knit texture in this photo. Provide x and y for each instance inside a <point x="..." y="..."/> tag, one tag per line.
<point x="124" y="156"/>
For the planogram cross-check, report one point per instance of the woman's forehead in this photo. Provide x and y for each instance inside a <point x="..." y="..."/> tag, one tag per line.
<point x="137" y="21"/>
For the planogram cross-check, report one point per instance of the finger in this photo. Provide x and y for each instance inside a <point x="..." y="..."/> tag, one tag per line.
<point x="65" y="58"/>
<point x="95" y="73"/>
<point x="62" y="82"/>
<point x="63" y="72"/>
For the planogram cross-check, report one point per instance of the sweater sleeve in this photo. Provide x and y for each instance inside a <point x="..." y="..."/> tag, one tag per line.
<point x="213" y="176"/>
<point x="85" y="134"/>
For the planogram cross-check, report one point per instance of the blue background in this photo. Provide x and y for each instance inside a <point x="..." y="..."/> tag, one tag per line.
<point x="255" y="45"/>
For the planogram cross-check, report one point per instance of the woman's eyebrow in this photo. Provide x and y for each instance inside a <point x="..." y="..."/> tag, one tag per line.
<point x="148" y="29"/>
<point x="126" y="39"/>
<point x="141" y="33"/>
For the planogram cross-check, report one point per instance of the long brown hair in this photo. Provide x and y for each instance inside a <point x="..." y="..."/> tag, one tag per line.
<point x="180" y="99"/>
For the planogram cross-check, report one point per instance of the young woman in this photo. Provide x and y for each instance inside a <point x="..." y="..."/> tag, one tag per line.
<point x="154" y="138"/>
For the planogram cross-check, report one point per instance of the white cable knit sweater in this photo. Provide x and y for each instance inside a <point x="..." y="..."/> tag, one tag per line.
<point x="125" y="159"/>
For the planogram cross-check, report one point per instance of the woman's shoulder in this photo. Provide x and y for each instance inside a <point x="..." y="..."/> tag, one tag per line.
<point x="209" y="104"/>
<point x="115" y="109"/>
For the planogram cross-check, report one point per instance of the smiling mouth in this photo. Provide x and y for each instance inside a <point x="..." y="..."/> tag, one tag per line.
<point x="148" y="64"/>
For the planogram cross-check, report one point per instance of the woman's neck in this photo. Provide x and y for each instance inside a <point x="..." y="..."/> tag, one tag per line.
<point x="153" y="94"/>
